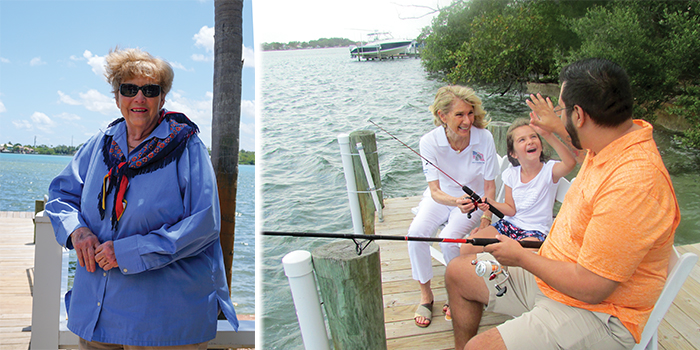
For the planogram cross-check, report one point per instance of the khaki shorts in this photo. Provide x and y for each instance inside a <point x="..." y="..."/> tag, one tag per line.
<point x="542" y="323"/>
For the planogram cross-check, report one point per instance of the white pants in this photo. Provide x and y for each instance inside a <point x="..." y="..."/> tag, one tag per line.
<point x="430" y="216"/>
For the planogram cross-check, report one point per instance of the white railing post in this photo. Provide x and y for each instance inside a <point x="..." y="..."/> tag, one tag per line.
<point x="299" y="271"/>
<point x="47" y="286"/>
<point x="346" y="156"/>
<point x="370" y="181"/>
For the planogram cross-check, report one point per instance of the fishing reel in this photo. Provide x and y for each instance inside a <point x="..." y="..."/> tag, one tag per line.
<point x="493" y="268"/>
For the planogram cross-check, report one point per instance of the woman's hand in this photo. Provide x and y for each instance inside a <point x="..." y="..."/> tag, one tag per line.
<point x="85" y="242"/>
<point x="465" y="204"/>
<point x="105" y="256"/>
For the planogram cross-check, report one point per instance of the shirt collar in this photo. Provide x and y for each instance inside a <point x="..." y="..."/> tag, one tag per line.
<point x="473" y="137"/>
<point x="617" y="147"/>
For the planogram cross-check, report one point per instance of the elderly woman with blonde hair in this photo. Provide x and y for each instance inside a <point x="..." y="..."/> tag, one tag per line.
<point x="139" y="205"/>
<point x="462" y="148"/>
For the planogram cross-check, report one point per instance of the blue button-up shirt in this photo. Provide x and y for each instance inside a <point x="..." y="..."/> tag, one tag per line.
<point x="170" y="283"/>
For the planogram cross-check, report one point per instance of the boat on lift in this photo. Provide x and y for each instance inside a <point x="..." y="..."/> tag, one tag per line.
<point x="382" y="45"/>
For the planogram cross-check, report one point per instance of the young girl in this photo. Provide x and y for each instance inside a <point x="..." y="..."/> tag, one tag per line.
<point x="530" y="186"/>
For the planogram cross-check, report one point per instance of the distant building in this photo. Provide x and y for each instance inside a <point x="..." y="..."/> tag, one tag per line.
<point x="10" y="148"/>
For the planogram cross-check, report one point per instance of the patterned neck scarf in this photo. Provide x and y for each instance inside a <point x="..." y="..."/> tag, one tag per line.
<point x="149" y="156"/>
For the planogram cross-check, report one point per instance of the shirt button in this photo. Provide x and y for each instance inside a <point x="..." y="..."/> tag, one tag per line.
<point x="104" y="274"/>
<point x="98" y="303"/>
<point x="124" y="270"/>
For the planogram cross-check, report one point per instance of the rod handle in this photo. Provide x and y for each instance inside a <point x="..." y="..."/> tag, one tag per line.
<point x="487" y="241"/>
<point x="476" y="198"/>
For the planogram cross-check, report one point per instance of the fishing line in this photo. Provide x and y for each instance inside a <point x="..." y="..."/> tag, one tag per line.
<point x="474" y="197"/>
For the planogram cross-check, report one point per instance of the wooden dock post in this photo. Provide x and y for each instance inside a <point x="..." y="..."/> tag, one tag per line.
<point x="498" y="130"/>
<point x="367" y="208"/>
<point x="351" y="288"/>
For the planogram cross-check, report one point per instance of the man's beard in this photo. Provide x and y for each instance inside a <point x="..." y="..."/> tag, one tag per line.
<point x="571" y="130"/>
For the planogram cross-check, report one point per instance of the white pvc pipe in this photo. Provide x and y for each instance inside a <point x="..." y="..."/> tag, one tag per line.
<point x="299" y="271"/>
<point x="346" y="156"/>
<point x="370" y="181"/>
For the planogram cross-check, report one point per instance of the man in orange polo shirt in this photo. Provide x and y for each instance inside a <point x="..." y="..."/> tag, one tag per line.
<point x="596" y="278"/>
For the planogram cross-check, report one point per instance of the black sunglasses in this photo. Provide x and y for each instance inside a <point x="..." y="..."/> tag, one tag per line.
<point x="130" y="90"/>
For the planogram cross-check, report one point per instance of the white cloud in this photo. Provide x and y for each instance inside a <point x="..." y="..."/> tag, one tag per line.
<point x="248" y="109"/>
<point x="205" y="39"/>
<point x="39" y="121"/>
<point x="4" y="60"/>
<point x="96" y="62"/>
<point x="2" y="107"/>
<point x="92" y="100"/>
<point x="43" y="122"/>
<point x="22" y="124"/>
<point x="202" y="58"/>
<point x="95" y="101"/>
<point x="248" y="57"/>
<point x="67" y="99"/>
<point x="200" y="112"/>
<point x="36" y="61"/>
<point x="178" y="65"/>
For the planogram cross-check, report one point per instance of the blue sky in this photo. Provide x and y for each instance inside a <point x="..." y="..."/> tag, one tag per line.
<point x="52" y="57"/>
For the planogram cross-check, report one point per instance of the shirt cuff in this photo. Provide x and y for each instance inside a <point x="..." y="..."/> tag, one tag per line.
<point x="128" y="257"/>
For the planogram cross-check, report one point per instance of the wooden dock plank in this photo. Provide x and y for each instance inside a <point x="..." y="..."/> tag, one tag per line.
<point x="16" y="264"/>
<point x="679" y="330"/>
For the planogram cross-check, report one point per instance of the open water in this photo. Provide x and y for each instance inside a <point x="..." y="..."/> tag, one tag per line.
<point x="25" y="178"/>
<point x="311" y="96"/>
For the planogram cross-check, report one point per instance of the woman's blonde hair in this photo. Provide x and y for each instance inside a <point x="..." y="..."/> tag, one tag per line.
<point x="125" y="64"/>
<point x="447" y="94"/>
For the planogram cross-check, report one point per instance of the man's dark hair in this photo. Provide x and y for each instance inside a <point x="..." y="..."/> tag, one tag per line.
<point x="600" y="87"/>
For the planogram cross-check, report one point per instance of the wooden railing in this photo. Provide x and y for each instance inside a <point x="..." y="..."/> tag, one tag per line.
<point x="49" y="320"/>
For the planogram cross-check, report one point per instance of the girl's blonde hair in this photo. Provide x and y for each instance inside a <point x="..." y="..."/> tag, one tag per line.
<point x="447" y="94"/>
<point x="510" y="142"/>
<point x="125" y="64"/>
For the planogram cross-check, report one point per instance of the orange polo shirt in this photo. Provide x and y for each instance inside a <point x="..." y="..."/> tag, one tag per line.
<point x="618" y="221"/>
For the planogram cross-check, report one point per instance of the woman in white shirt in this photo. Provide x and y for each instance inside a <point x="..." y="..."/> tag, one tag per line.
<point x="462" y="148"/>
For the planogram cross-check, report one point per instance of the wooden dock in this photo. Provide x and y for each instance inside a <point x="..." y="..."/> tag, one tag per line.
<point x="16" y="275"/>
<point x="679" y="330"/>
<point x="17" y="280"/>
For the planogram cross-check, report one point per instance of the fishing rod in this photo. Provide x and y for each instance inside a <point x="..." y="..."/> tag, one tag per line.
<point x="370" y="238"/>
<point x="474" y="197"/>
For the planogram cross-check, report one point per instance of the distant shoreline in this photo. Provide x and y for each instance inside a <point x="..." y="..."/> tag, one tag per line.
<point x="67" y="155"/>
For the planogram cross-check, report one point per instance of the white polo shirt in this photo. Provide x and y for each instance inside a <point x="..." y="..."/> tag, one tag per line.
<point x="470" y="167"/>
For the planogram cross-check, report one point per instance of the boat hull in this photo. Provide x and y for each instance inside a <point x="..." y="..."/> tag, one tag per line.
<point x="381" y="50"/>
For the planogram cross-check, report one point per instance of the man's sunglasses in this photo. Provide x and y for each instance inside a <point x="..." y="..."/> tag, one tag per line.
<point x="130" y="90"/>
